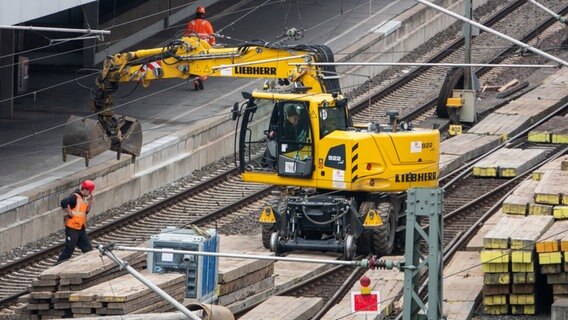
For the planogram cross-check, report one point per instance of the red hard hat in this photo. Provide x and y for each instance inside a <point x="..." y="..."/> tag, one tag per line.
<point x="200" y="9"/>
<point x="89" y="185"/>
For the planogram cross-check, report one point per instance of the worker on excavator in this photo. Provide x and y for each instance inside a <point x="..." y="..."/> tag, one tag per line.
<point x="204" y="30"/>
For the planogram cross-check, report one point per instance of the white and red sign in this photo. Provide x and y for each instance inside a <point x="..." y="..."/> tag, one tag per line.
<point x="155" y="66"/>
<point x="366" y="303"/>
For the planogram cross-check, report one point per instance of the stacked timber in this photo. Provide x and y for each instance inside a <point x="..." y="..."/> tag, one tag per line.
<point x="552" y="250"/>
<point x="553" y="191"/>
<point x="495" y="264"/>
<point x="50" y="292"/>
<point x="285" y="308"/>
<point x="521" y="199"/>
<point x="506" y="163"/>
<point x="464" y="147"/>
<point x="463" y="284"/>
<point x="550" y="192"/>
<point x="554" y="130"/>
<point x="127" y="295"/>
<point x="241" y="278"/>
<point x="555" y="166"/>
<point x="502" y="125"/>
<point x="509" y="264"/>
<point x="523" y="263"/>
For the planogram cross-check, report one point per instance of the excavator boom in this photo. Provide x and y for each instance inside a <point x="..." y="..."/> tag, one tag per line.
<point x="189" y="57"/>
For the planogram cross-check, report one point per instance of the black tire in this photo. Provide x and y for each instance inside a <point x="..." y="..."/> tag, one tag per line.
<point x="266" y="232"/>
<point x="384" y="236"/>
<point x="365" y="240"/>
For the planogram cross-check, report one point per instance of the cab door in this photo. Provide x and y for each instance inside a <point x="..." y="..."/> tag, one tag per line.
<point x="295" y="149"/>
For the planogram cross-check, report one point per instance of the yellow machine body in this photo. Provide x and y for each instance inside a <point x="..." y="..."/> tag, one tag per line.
<point x="357" y="160"/>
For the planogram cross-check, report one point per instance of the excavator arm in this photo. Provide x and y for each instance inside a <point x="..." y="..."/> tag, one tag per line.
<point x="189" y="57"/>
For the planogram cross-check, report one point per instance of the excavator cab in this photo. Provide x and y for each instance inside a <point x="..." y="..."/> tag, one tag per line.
<point x="278" y="136"/>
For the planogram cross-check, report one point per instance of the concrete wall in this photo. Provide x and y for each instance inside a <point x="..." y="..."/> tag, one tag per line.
<point x="14" y="12"/>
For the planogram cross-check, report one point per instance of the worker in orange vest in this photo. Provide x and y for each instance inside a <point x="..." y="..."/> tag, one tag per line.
<point x="204" y="30"/>
<point x="76" y="207"/>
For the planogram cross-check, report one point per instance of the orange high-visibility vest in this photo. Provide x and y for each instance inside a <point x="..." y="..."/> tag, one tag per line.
<point x="203" y="28"/>
<point x="79" y="214"/>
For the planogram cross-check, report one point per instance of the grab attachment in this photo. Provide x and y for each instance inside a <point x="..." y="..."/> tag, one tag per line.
<point x="87" y="138"/>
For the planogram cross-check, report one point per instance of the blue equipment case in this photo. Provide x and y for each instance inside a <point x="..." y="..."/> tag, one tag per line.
<point x="201" y="271"/>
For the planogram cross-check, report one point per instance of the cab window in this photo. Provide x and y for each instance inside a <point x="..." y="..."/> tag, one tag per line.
<point x="331" y="119"/>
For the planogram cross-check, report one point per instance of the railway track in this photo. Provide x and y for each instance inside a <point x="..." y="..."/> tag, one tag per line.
<point x="415" y="92"/>
<point x="199" y="202"/>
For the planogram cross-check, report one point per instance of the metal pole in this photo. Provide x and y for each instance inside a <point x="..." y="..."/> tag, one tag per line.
<point x="497" y="33"/>
<point x="358" y="263"/>
<point x="2" y="26"/>
<point x="423" y="203"/>
<point x="467" y="47"/>
<point x="423" y="64"/>
<point x="554" y="14"/>
<point x="104" y="250"/>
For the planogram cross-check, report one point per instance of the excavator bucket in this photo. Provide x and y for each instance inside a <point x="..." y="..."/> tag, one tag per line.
<point x="85" y="138"/>
<point x="130" y="137"/>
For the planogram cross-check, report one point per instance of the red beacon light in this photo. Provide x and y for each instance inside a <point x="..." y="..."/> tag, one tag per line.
<point x="365" y="285"/>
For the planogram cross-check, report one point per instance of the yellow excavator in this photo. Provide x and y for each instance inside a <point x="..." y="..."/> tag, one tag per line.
<point x="342" y="185"/>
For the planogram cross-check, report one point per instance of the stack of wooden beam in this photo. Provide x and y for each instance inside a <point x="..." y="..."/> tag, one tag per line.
<point x="127" y="294"/>
<point x="545" y="194"/>
<point x="495" y="264"/>
<point x="554" y="130"/>
<point x="49" y="293"/>
<point x="506" y="163"/>
<point x="509" y="264"/>
<point x="241" y="278"/>
<point x="552" y="249"/>
<point x="519" y="202"/>
<point x="523" y="263"/>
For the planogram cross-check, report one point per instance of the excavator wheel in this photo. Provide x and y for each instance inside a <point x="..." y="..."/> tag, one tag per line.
<point x="267" y="231"/>
<point x="384" y="236"/>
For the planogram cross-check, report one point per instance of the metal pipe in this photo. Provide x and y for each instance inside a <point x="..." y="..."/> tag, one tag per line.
<point x="149" y="284"/>
<point x="3" y="26"/>
<point x="497" y="33"/>
<point x="424" y="64"/>
<point x="554" y="14"/>
<point x="468" y="75"/>
<point x="358" y="263"/>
